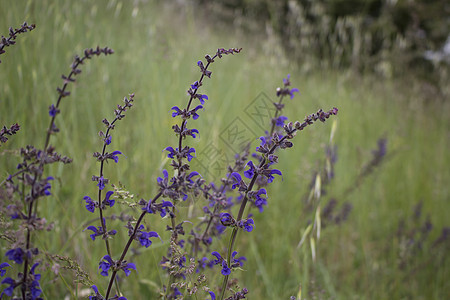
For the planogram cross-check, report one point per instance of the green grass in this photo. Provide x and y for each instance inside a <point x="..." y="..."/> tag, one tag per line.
<point x="156" y="50"/>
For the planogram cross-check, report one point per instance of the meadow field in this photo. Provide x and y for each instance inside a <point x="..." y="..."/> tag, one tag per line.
<point x="388" y="235"/>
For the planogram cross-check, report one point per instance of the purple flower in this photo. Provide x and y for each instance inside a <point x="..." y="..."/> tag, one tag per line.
<point x="52" y="110"/>
<point x="189" y="155"/>
<point x="177" y="111"/>
<point x="225" y="269"/>
<point x="15" y="255"/>
<point x="195" y="85"/>
<point x="238" y="260"/>
<point x="108" y="201"/>
<point x="172" y="152"/>
<point x="2" y="269"/>
<point x="152" y="208"/>
<point x="269" y="175"/>
<point x="237" y="180"/>
<point x="218" y="256"/>
<point x="382" y="148"/>
<point x="227" y="219"/>
<point x="292" y="91"/>
<point x="48" y="186"/>
<point x="105" y="264"/>
<point x="108" y="140"/>
<point x="176" y="292"/>
<point x="193" y="132"/>
<point x="97" y="296"/>
<point x="247" y="224"/>
<point x="35" y="286"/>
<point x="192" y="174"/>
<point x="280" y="121"/>
<point x="9" y="290"/>
<point x="263" y="141"/>
<point x="96" y="231"/>
<point x="193" y="112"/>
<point x="201" y="98"/>
<point x="101" y="183"/>
<point x="90" y="204"/>
<point x="165" y="177"/>
<point x="286" y="81"/>
<point x="203" y="69"/>
<point x="260" y="201"/>
<point x="220" y="228"/>
<point x="127" y="268"/>
<point x="144" y="237"/>
<point x="114" y="156"/>
<point x="213" y="296"/>
<point x="286" y="90"/>
<point x="250" y="172"/>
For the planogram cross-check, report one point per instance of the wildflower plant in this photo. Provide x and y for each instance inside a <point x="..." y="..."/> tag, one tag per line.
<point x="191" y="255"/>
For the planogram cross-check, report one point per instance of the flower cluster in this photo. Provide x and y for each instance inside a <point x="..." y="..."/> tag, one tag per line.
<point x="227" y="267"/>
<point x="31" y="285"/>
<point x="8" y="131"/>
<point x="28" y="184"/>
<point x="245" y="183"/>
<point x="107" y="263"/>
<point x="6" y="42"/>
<point x="262" y="173"/>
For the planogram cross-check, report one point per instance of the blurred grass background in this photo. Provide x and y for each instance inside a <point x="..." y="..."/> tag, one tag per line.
<point x="156" y="48"/>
